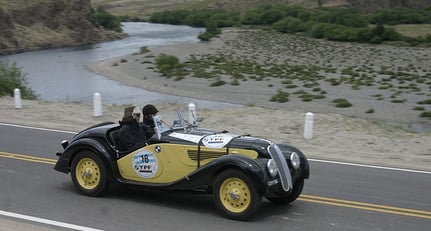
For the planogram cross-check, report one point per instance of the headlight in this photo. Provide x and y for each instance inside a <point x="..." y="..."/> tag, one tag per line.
<point x="272" y="168"/>
<point x="294" y="159"/>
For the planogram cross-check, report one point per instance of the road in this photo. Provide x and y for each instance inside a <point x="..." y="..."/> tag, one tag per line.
<point x="33" y="196"/>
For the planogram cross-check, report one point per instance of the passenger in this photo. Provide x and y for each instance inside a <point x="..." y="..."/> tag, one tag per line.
<point x="131" y="135"/>
<point x="148" y="125"/>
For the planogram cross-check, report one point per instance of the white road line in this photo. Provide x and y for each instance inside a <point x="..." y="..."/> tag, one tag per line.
<point x="36" y="128"/>
<point x="48" y="222"/>
<point x="369" y="166"/>
<point x="315" y="160"/>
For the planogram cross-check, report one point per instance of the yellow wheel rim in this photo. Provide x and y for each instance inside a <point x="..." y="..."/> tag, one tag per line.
<point x="235" y="195"/>
<point x="87" y="173"/>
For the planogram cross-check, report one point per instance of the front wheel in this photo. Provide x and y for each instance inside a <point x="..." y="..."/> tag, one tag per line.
<point x="89" y="174"/>
<point x="296" y="191"/>
<point x="235" y="195"/>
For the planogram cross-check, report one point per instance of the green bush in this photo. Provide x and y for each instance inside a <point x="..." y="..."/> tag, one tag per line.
<point x="197" y="18"/>
<point x="343" y="103"/>
<point x="107" y="20"/>
<point x="338" y="24"/>
<point x="167" y="63"/>
<point x="234" y="82"/>
<point x="428" y="101"/>
<point x="144" y="50"/>
<point x="252" y="17"/>
<point x="205" y="36"/>
<point x="349" y="17"/>
<point x="280" y="97"/>
<point x="397" y="101"/>
<point x="217" y="83"/>
<point x="289" y="25"/>
<point x="426" y="114"/>
<point x="398" y="15"/>
<point x="211" y="31"/>
<point x="11" y="77"/>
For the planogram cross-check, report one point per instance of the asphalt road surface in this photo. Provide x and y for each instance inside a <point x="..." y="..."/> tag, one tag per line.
<point x="34" y="196"/>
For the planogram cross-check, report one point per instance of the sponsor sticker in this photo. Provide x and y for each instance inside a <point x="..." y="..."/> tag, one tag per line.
<point x="216" y="140"/>
<point x="145" y="163"/>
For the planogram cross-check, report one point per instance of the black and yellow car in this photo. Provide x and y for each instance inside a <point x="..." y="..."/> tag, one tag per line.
<point x="239" y="170"/>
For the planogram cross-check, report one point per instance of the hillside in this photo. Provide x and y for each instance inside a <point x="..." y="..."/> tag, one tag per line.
<point x="144" y="8"/>
<point x="27" y="25"/>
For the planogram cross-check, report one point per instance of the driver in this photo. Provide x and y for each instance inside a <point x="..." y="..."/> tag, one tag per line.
<point x="148" y="125"/>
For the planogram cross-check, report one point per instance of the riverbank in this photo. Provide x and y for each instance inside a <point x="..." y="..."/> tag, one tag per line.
<point x="383" y="83"/>
<point x="335" y="137"/>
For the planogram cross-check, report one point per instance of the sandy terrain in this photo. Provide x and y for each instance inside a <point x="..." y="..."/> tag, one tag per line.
<point x="339" y="134"/>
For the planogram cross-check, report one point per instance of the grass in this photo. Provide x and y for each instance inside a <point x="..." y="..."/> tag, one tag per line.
<point x="413" y="30"/>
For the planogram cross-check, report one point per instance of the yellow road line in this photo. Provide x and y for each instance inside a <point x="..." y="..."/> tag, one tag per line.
<point x="303" y="197"/>
<point x="366" y="206"/>
<point x="27" y="158"/>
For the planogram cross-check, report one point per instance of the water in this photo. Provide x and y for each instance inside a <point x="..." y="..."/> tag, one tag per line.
<point x="60" y="75"/>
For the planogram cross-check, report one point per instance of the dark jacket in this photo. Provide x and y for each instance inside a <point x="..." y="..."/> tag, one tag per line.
<point x="131" y="136"/>
<point x="148" y="126"/>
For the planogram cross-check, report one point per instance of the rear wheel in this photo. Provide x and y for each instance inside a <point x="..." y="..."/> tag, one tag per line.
<point x="296" y="191"/>
<point x="89" y="174"/>
<point x="235" y="195"/>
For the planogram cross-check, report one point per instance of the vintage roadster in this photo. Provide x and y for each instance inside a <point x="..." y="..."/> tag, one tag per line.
<point x="239" y="170"/>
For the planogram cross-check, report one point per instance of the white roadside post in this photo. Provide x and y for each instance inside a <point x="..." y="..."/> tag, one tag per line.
<point x="17" y="97"/>
<point x="97" y="105"/>
<point x="308" y="126"/>
<point x="192" y="114"/>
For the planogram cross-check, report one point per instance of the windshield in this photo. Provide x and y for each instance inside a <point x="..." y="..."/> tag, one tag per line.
<point x="179" y="122"/>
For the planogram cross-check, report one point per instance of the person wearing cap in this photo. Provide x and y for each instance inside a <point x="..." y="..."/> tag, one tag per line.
<point x="131" y="135"/>
<point x="148" y="125"/>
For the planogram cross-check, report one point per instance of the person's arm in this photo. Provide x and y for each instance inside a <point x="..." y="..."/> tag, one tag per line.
<point x="149" y="131"/>
<point x="128" y="140"/>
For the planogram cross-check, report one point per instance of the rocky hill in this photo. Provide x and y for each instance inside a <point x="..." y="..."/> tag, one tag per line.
<point x="27" y="25"/>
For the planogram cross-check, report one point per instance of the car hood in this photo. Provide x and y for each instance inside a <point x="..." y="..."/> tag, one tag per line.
<point x="215" y="140"/>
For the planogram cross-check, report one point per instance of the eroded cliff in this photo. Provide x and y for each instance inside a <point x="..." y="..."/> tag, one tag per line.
<point x="28" y="25"/>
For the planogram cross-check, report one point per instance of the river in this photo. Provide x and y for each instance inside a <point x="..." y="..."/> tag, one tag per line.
<point x="59" y="74"/>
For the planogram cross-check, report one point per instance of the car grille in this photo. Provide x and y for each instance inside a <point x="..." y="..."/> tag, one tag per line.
<point x="283" y="168"/>
<point x="204" y="155"/>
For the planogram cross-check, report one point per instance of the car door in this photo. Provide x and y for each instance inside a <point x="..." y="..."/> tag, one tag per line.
<point x="160" y="163"/>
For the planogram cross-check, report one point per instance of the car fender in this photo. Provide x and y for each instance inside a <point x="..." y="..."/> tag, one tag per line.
<point x="85" y="144"/>
<point x="305" y="167"/>
<point x="205" y="175"/>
